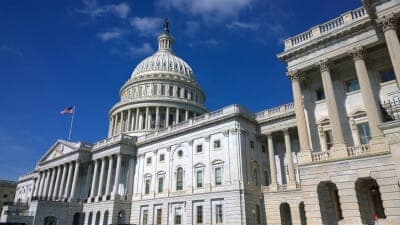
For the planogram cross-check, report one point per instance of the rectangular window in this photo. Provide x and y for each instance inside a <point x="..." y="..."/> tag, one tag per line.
<point x="251" y="144"/>
<point x="364" y="133"/>
<point x="148" y="160"/>
<point x="178" y="217"/>
<point x="328" y="139"/>
<point x="266" y="177"/>
<point x="320" y="94"/>
<point x="218" y="214"/>
<point x="218" y="176"/>
<point x="162" y="89"/>
<point x="217" y="144"/>
<point x="159" y="216"/>
<point x="145" y="217"/>
<point x="387" y="75"/>
<point x="160" y="184"/>
<point x="147" y="187"/>
<point x="263" y="149"/>
<point x="352" y="85"/>
<point x="199" y="214"/>
<point x="199" y="148"/>
<point x="258" y="214"/>
<point x="162" y="157"/>
<point x="171" y="91"/>
<point x="199" y="178"/>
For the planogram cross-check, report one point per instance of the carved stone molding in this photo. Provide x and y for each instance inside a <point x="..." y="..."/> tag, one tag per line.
<point x="293" y="75"/>
<point x="323" y="65"/>
<point x="389" y="23"/>
<point x="225" y="133"/>
<point x="357" y="53"/>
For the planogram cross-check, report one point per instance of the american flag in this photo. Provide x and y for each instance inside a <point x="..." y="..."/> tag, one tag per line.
<point x="69" y="110"/>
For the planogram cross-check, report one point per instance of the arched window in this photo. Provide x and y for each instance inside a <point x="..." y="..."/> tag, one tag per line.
<point x="50" y="220"/>
<point x="255" y="176"/>
<point x="82" y="222"/>
<point x="90" y="218"/>
<point x="329" y="203"/>
<point x="121" y="217"/>
<point x="76" y="219"/>
<point x="369" y="200"/>
<point x="97" y="221"/>
<point x="302" y="211"/>
<point x="286" y="216"/>
<point x="179" y="179"/>
<point x="105" y="219"/>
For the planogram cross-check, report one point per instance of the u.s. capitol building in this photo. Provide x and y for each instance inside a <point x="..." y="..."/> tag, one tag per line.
<point x="331" y="157"/>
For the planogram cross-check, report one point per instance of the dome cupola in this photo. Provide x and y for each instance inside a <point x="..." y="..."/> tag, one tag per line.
<point x="161" y="92"/>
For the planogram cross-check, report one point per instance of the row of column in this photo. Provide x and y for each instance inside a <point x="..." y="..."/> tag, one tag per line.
<point x="271" y="154"/>
<point x="147" y="118"/>
<point x="58" y="183"/>
<point x="97" y="190"/>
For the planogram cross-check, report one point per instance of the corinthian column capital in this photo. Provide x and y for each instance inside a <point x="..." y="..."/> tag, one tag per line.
<point x="293" y="75"/>
<point x="323" y="65"/>
<point x="357" y="53"/>
<point x="388" y="23"/>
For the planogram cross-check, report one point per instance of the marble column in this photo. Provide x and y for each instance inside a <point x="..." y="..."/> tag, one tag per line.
<point x="301" y="121"/>
<point x="177" y="116"/>
<point x="94" y="179"/>
<point x="186" y="115"/>
<point x="51" y="184"/>
<point x="146" y="119"/>
<point x="392" y="41"/>
<point x="37" y="184"/>
<point x="75" y="180"/>
<point x="40" y="185"/>
<point x="333" y="111"/>
<point x="272" y="164"/>
<point x="167" y="117"/>
<point x="132" y="120"/>
<point x="117" y="174"/>
<point x="115" y="125"/>
<point x="57" y="184"/>
<point x="137" y="119"/>
<point x="121" y="128"/>
<point x="62" y="184"/>
<point x="157" y="117"/>
<point x="289" y="157"/>
<point x="46" y="184"/>
<point x="68" y="184"/>
<point x="128" y="121"/>
<point x="110" y="126"/>
<point x="369" y="99"/>
<point x="101" y="178"/>
<point x="109" y="174"/>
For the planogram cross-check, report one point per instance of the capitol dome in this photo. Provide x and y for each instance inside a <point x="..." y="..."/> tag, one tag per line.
<point x="161" y="92"/>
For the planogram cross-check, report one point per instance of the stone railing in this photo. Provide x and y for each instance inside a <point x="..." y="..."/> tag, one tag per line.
<point x="281" y="188"/>
<point x="113" y="140"/>
<point x="229" y="110"/>
<point x="320" y="156"/>
<point x="325" y="28"/>
<point x="358" y="150"/>
<point x="276" y="111"/>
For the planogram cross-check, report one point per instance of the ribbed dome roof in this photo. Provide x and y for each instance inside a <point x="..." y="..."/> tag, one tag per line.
<point x="161" y="62"/>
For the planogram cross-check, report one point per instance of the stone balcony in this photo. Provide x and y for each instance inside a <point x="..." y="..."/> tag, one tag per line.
<point x="349" y="18"/>
<point x="281" y="188"/>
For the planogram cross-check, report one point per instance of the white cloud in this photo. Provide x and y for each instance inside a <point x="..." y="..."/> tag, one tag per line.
<point x="208" y="43"/>
<point x="93" y="9"/>
<point x="237" y="25"/>
<point x="109" y="35"/>
<point x="208" y="9"/>
<point x="145" y="49"/>
<point x="147" y="26"/>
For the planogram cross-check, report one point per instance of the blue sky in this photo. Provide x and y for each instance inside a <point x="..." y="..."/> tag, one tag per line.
<point x="54" y="54"/>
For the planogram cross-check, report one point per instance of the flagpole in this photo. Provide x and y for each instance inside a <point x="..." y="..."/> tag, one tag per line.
<point x="72" y="121"/>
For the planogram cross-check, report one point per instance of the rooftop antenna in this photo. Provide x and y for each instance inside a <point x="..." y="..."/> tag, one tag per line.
<point x="166" y="26"/>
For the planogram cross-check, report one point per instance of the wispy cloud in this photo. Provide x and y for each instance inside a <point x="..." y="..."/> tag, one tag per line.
<point x="147" y="26"/>
<point x="93" y="9"/>
<point x="208" y="43"/>
<point x="191" y="28"/>
<point x="110" y="35"/>
<point x="145" y="49"/>
<point x="10" y="50"/>
<point x="237" y="25"/>
<point x="208" y="9"/>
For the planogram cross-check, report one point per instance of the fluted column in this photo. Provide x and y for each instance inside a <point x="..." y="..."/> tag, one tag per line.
<point x="109" y="174"/>
<point x="37" y="186"/>
<point x="167" y="117"/>
<point x="128" y="121"/>
<point x="101" y="178"/>
<point x="289" y="157"/>
<point x="137" y="119"/>
<point x="146" y="119"/>
<point x="133" y="120"/>
<point x="75" y="180"/>
<point x="157" y="117"/>
<point x="40" y="185"/>
<point x="301" y="122"/>
<point x="46" y="184"/>
<point x="272" y="164"/>
<point x="177" y="116"/>
<point x="110" y="126"/>
<point x="121" y="128"/>
<point x="186" y="115"/>
<point x="370" y="103"/>
<point x="333" y="110"/>
<point x="115" y="124"/>
<point x="393" y="44"/>
<point x="94" y="179"/>
<point x="117" y="174"/>
<point x="51" y="184"/>
<point x="57" y="184"/>
<point x="69" y="177"/>
<point x="62" y="184"/>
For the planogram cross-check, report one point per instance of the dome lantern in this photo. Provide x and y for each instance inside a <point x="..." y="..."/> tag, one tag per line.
<point x="165" y="41"/>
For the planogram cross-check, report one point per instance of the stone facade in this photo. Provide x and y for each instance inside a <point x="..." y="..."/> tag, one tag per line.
<point x="330" y="157"/>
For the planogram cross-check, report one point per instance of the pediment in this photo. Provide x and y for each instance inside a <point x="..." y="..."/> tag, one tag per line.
<point x="59" y="149"/>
